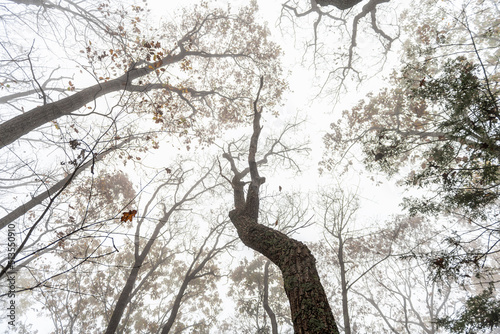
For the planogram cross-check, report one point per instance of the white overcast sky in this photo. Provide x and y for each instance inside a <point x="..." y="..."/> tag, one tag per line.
<point x="377" y="201"/>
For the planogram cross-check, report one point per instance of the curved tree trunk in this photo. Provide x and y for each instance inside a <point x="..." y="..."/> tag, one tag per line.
<point x="311" y="312"/>
<point x="140" y="255"/>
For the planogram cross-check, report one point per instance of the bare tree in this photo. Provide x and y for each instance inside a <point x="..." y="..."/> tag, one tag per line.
<point x="257" y="289"/>
<point x="150" y="67"/>
<point x="197" y="269"/>
<point x="434" y="128"/>
<point x="140" y="253"/>
<point x="339" y="214"/>
<point x="339" y="34"/>
<point x="57" y="187"/>
<point x="388" y="288"/>
<point x="406" y="298"/>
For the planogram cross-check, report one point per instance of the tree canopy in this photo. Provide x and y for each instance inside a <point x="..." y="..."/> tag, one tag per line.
<point x="155" y="176"/>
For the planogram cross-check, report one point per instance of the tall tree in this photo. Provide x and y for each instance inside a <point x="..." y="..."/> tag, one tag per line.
<point x="309" y="305"/>
<point x="401" y="291"/>
<point x="441" y="114"/>
<point x="338" y="217"/>
<point x="161" y="254"/>
<point x="349" y="253"/>
<point x="141" y="253"/>
<point x="147" y="86"/>
<point x="186" y="81"/>
<point x="258" y="286"/>
<point x="436" y="128"/>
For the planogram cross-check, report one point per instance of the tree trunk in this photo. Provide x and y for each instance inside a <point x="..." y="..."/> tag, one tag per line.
<point x="125" y="295"/>
<point x="177" y="305"/>
<point x="311" y="312"/>
<point x="269" y="311"/>
<point x="21" y="125"/>
<point x="123" y="300"/>
<point x="343" y="283"/>
<point x="38" y="199"/>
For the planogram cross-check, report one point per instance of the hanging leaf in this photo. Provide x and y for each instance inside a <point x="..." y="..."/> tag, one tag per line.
<point x="127" y="216"/>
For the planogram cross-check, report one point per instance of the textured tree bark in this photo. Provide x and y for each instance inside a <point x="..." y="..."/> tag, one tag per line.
<point x="311" y="312"/>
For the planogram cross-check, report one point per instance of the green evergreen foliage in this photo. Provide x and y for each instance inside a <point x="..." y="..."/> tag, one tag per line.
<point x="464" y="160"/>
<point x="480" y="315"/>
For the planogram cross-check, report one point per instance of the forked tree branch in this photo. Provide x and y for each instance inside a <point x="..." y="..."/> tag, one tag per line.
<point x="311" y="312"/>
